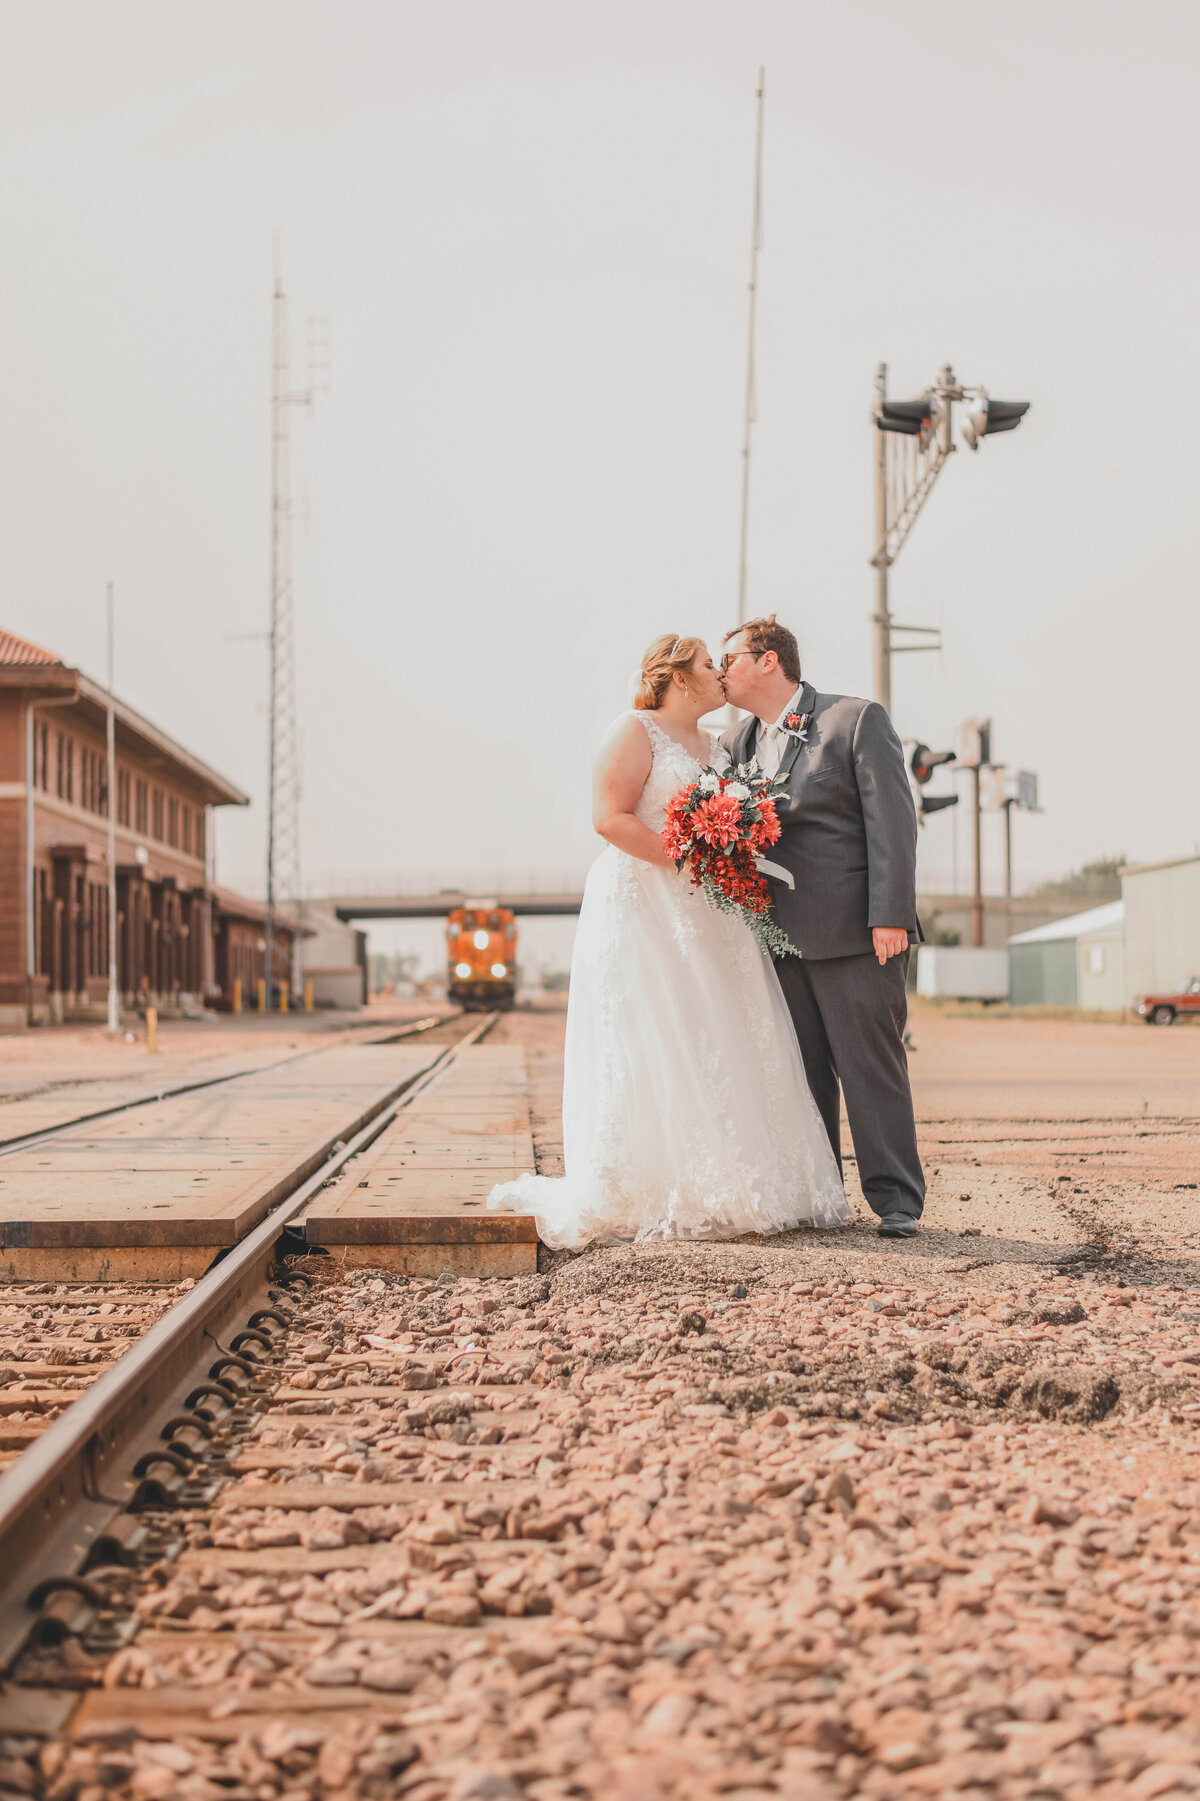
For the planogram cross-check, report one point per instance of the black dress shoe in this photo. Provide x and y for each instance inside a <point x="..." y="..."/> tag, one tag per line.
<point x="897" y="1225"/>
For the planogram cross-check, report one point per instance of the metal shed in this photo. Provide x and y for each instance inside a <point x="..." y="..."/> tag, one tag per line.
<point x="1162" y="911"/>
<point x="1074" y="962"/>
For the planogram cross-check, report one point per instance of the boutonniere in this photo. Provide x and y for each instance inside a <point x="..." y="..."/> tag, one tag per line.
<point x="797" y="725"/>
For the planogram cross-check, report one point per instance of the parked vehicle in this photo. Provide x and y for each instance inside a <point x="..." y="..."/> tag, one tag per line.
<point x="1165" y="1009"/>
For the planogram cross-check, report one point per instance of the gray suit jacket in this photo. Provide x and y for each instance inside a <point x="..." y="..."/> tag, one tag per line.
<point x="849" y="826"/>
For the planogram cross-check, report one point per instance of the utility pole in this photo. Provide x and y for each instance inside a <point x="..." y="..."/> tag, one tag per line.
<point x="283" y="754"/>
<point x="114" y="997"/>
<point x="882" y="618"/>
<point x="915" y="443"/>
<point x="751" y="410"/>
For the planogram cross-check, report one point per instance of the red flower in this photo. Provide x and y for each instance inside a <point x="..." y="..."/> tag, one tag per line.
<point x="718" y="820"/>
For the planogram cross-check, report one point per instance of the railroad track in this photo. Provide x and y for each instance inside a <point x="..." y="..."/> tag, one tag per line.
<point x="72" y="1419"/>
<point x="26" y="1141"/>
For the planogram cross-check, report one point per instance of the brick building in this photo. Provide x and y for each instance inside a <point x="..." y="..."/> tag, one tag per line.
<point x="54" y="879"/>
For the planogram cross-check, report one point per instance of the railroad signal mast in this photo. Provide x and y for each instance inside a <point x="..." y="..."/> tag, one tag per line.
<point x="992" y="783"/>
<point x="914" y="442"/>
<point x="1005" y="789"/>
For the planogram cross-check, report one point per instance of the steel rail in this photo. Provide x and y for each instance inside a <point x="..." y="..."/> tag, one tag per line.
<point x="30" y="1140"/>
<point x="66" y="1489"/>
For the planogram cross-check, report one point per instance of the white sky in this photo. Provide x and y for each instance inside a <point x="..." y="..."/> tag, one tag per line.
<point x="528" y="224"/>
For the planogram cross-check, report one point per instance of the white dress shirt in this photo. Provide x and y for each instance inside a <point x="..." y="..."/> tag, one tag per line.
<point x="770" y="741"/>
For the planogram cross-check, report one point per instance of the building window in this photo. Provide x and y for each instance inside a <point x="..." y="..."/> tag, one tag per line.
<point x="66" y="767"/>
<point x="156" y="814"/>
<point x="142" y="815"/>
<point x="41" y="755"/>
<point x="123" y="786"/>
<point x="172" y="820"/>
<point x="186" y="825"/>
<point x="198" y="845"/>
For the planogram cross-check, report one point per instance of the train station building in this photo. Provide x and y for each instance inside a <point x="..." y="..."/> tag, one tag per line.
<point x="180" y="939"/>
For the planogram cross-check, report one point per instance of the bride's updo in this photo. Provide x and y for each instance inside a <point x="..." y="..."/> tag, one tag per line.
<point x="664" y="657"/>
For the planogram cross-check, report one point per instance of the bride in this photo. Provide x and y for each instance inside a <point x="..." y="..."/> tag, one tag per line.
<point x="686" y="1113"/>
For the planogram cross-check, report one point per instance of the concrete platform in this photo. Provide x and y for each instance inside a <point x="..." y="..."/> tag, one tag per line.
<point x="416" y="1201"/>
<point x="153" y="1194"/>
<point x="40" y="1106"/>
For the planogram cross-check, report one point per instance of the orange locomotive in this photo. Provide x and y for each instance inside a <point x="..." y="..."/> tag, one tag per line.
<point x="481" y="952"/>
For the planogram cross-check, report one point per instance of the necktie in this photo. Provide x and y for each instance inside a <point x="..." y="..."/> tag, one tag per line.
<point x="771" y="753"/>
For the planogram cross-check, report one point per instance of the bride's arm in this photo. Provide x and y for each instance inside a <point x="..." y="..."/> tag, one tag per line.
<point x="620" y="772"/>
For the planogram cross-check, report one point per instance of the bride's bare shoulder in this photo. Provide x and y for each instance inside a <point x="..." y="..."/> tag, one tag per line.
<point x="626" y="742"/>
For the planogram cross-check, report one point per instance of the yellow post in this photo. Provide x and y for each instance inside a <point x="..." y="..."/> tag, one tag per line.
<point x="152" y="1028"/>
<point x="308" y="997"/>
<point x="237" y="994"/>
<point x="262" y="995"/>
<point x="283" y="997"/>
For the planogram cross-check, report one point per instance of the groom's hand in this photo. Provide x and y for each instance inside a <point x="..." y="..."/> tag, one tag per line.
<point x="889" y="941"/>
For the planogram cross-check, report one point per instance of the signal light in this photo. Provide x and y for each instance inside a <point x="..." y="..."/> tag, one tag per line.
<point x="986" y="416"/>
<point x="924" y="761"/>
<point x="912" y="418"/>
<point x="462" y="971"/>
<point x="499" y="969"/>
<point x="481" y="941"/>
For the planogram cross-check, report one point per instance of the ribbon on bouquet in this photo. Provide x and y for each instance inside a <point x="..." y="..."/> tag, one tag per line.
<point x="765" y="867"/>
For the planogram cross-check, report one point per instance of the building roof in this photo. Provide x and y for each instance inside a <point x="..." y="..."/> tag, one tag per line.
<point x="26" y="665"/>
<point x="21" y="651"/>
<point x="1166" y="863"/>
<point x="231" y="905"/>
<point x="1108" y="918"/>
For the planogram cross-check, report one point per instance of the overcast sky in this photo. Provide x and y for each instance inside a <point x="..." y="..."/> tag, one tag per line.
<point x="528" y="225"/>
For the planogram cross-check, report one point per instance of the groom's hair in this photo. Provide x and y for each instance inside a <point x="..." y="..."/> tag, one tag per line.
<point x="767" y="634"/>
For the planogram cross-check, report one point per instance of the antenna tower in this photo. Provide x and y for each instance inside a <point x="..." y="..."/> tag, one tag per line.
<point x="751" y="412"/>
<point x="283" y="750"/>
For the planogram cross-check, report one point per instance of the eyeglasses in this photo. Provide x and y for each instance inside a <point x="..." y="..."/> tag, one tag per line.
<point x="732" y="657"/>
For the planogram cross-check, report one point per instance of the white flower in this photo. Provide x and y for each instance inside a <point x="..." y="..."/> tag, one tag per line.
<point x="709" y="783"/>
<point x="737" y="790"/>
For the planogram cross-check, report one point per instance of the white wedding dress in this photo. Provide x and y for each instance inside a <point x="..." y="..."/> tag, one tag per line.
<point x="686" y="1113"/>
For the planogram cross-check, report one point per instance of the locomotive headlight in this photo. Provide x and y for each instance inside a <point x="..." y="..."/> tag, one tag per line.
<point x="481" y="941"/>
<point x="499" y="969"/>
<point x="462" y="971"/>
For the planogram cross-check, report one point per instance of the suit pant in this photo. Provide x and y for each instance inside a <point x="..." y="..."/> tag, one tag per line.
<point x="850" y="1015"/>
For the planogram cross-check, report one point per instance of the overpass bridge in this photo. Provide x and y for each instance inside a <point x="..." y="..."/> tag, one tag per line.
<point x="416" y="895"/>
<point x="425" y="895"/>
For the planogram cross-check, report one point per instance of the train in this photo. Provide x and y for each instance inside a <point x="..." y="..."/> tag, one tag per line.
<point x="481" y="957"/>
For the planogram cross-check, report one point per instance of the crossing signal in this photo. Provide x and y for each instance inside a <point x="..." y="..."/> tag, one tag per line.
<point x="985" y="416"/>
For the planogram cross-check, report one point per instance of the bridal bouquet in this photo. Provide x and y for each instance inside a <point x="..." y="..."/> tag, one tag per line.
<point x="717" y="829"/>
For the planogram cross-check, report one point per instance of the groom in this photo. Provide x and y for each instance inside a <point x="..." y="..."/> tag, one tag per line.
<point x="850" y="843"/>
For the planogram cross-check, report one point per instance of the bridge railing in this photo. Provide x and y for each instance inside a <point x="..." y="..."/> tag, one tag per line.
<point x="478" y="883"/>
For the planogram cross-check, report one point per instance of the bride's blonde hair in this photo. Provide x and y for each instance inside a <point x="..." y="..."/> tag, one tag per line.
<point x="664" y="657"/>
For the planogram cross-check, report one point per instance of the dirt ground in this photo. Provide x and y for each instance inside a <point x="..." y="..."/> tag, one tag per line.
<point x="1050" y="1142"/>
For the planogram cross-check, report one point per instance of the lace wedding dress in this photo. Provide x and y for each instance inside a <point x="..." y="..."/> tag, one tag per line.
<point x="686" y="1113"/>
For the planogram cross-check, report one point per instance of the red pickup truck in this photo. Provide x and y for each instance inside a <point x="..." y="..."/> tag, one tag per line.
<point x="1163" y="1009"/>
